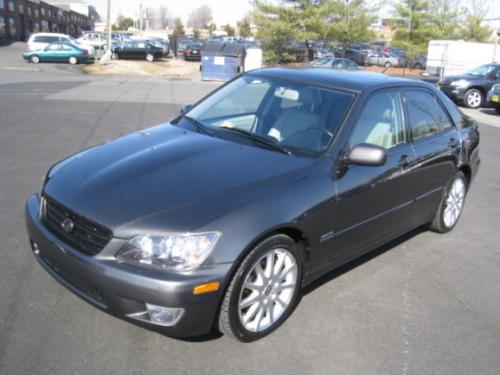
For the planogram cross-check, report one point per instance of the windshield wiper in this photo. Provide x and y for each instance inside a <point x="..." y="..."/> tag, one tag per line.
<point x="256" y="139"/>
<point x="198" y="125"/>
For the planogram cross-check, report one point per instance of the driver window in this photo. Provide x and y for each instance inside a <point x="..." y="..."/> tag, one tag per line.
<point x="381" y="121"/>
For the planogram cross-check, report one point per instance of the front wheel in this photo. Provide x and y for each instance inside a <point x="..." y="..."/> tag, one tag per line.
<point x="387" y="65"/>
<point x="150" y="57"/>
<point x="73" y="60"/>
<point x="473" y="98"/>
<point x="452" y="204"/>
<point x="264" y="290"/>
<point x="115" y="56"/>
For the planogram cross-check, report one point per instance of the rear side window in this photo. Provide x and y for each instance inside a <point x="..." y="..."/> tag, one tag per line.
<point x="46" y="39"/>
<point x="426" y="115"/>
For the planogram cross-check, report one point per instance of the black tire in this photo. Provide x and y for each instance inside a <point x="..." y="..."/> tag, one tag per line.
<point x="469" y="97"/>
<point x="35" y="59"/>
<point x="418" y="66"/>
<point x="229" y="321"/>
<point x="497" y="109"/>
<point x="73" y="60"/>
<point x="438" y="224"/>
<point x="387" y="65"/>
<point x="150" y="57"/>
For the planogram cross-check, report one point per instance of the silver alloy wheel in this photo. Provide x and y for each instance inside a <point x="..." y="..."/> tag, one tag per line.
<point x="35" y="59"/>
<point x="268" y="290"/>
<point x="73" y="60"/>
<point x="454" y="202"/>
<point x="150" y="57"/>
<point x="474" y="99"/>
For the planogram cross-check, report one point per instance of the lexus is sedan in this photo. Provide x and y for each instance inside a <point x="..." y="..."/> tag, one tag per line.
<point x="217" y="219"/>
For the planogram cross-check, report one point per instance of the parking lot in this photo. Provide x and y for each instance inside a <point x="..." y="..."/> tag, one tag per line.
<point x="424" y="304"/>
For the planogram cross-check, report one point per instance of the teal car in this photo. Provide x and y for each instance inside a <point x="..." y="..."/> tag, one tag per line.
<point x="59" y="52"/>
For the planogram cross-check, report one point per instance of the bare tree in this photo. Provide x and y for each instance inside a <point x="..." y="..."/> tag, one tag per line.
<point x="478" y="8"/>
<point x="200" y="17"/>
<point x="163" y="17"/>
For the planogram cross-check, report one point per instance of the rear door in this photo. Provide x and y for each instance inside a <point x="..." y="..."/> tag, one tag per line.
<point x="436" y="143"/>
<point x="374" y="203"/>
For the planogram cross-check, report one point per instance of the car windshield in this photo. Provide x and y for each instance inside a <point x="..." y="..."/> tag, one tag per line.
<point x="482" y="70"/>
<point x="297" y="117"/>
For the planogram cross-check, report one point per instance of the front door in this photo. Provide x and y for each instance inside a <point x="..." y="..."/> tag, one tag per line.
<point x="373" y="202"/>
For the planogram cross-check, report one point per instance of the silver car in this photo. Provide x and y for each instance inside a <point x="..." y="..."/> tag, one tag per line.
<point x="385" y="59"/>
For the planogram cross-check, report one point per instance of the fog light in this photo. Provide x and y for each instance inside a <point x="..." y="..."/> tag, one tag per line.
<point x="159" y="315"/>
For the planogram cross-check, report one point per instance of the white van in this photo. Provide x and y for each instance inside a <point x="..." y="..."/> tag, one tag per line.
<point x="42" y="40"/>
<point x="96" y="40"/>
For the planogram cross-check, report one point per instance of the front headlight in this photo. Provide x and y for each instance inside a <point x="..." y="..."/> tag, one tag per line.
<point x="177" y="252"/>
<point x="460" y="83"/>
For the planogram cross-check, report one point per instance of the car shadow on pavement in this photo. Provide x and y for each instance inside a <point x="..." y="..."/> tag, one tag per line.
<point x="361" y="260"/>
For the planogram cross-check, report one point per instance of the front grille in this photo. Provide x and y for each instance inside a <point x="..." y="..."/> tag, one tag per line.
<point x="86" y="236"/>
<point x="76" y="281"/>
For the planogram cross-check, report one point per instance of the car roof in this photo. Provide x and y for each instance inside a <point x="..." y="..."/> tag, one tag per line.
<point x="353" y="81"/>
<point x="49" y="34"/>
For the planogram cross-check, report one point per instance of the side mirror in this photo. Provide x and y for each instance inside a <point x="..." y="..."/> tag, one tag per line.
<point x="368" y="154"/>
<point x="186" y="107"/>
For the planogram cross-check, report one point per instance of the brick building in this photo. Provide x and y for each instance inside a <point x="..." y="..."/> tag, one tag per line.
<point x="21" y="18"/>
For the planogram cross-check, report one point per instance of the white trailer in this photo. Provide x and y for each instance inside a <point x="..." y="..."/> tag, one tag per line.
<point x="450" y="57"/>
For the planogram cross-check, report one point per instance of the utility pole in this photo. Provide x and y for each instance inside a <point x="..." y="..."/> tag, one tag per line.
<point x="140" y="16"/>
<point x="107" y="55"/>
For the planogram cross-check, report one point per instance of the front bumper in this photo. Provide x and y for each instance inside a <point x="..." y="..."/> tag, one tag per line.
<point x="453" y="92"/>
<point x="122" y="289"/>
<point x="494" y="99"/>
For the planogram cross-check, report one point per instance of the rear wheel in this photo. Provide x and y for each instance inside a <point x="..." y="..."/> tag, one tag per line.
<point x="387" y="64"/>
<point x="264" y="290"/>
<point x="150" y="57"/>
<point x="473" y="98"/>
<point x="115" y="56"/>
<point x="451" y="205"/>
<point x="35" y="59"/>
<point x="73" y="60"/>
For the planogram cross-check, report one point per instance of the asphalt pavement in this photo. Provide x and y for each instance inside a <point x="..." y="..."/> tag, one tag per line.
<point x="424" y="304"/>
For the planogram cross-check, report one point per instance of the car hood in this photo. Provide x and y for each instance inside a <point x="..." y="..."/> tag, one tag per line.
<point x="468" y="77"/>
<point x="163" y="169"/>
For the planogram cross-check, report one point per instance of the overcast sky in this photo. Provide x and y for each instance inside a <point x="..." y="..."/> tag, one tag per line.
<point x="224" y="11"/>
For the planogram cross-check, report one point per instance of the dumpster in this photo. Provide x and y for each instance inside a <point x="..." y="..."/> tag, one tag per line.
<point x="222" y="61"/>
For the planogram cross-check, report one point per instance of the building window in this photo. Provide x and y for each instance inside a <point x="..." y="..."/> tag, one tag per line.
<point x="36" y="13"/>
<point x="36" y="27"/>
<point x="2" y="5"/>
<point x="28" y="9"/>
<point x="2" y="26"/>
<point x="21" y="9"/>
<point x="11" y="6"/>
<point x="12" y="26"/>
<point x="42" y="11"/>
<point x="45" y="27"/>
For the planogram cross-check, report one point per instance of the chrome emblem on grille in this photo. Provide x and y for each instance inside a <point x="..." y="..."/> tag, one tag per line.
<point x="68" y="225"/>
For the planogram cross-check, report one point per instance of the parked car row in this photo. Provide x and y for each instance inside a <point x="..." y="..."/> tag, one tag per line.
<point x="334" y="63"/>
